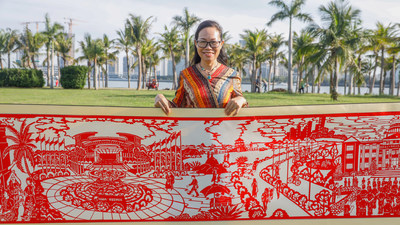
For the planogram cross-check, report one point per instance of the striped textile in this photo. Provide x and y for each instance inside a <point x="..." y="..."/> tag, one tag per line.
<point x="196" y="91"/>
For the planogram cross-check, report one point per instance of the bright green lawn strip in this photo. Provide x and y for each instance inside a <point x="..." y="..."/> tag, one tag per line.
<point x="144" y="98"/>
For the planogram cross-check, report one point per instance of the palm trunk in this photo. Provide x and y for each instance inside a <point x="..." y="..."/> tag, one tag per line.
<point x="253" y="76"/>
<point x="139" y="54"/>
<point x="187" y="50"/>
<point x="175" y="79"/>
<point x="106" y="74"/>
<point x="9" y="59"/>
<point x="33" y="62"/>
<point x="259" y="80"/>
<point x="269" y="75"/>
<point x="313" y="80"/>
<point x="319" y="85"/>
<point x="1" y="62"/>
<point x="273" y="79"/>
<point x="144" y="74"/>
<point x="59" y="68"/>
<point x="398" y="88"/>
<point x="95" y="74"/>
<point x="372" y="83"/>
<point x="392" y="76"/>
<point x="381" y="85"/>
<point x="89" y="73"/>
<point x="48" y="65"/>
<point x="334" y="94"/>
<point x="290" y="75"/>
<point x="52" y="65"/>
<point x="127" y="68"/>
<point x="351" y="78"/>
<point x="345" y="81"/>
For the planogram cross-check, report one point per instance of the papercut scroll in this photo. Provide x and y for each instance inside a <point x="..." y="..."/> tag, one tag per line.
<point x="72" y="166"/>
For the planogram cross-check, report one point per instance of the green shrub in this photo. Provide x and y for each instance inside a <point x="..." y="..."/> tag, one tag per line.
<point x="73" y="77"/>
<point x="21" y="78"/>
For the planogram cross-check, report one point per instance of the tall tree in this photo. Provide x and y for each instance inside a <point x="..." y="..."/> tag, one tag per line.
<point x="186" y="22"/>
<point x="63" y="47"/>
<point x="50" y="32"/>
<point x="303" y="48"/>
<point x="3" y="39"/>
<point x="291" y="12"/>
<point x="87" y="55"/>
<point x="108" y="55"/>
<point x="170" y="46"/>
<point x="384" y="36"/>
<point x="123" y="43"/>
<point x="10" y="45"/>
<point x="255" y="44"/>
<point x="138" y="31"/>
<point x="276" y="43"/>
<point x="336" y="39"/>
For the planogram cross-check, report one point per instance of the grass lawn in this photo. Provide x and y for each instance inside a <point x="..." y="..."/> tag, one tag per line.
<point x="145" y="98"/>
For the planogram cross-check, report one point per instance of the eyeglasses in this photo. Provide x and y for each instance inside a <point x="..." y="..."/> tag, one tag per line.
<point x="213" y="44"/>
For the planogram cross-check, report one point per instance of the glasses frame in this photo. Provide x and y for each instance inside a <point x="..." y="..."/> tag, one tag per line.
<point x="208" y="43"/>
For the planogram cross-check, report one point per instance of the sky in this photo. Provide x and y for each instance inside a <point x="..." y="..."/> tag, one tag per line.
<point x="99" y="17"/>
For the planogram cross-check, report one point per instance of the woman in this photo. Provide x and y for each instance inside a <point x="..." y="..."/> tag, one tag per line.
<point x="208" y="82"/>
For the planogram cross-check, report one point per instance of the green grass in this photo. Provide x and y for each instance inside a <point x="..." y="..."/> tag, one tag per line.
<point x="145" y="98"/>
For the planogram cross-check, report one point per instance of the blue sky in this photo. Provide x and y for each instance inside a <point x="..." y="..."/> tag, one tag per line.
<point x="100" y="16"/>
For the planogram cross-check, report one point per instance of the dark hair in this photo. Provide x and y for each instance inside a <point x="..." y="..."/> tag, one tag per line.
<point x="222" y="57"/>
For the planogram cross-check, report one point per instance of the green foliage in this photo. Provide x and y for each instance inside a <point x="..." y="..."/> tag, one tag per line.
<point x="73" y="77"/>
<point x="21" y="78"/>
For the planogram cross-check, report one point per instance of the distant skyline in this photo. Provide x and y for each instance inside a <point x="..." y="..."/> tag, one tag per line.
<point x="99" y="17"/>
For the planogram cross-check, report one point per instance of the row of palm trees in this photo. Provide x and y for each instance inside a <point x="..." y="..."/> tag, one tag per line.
<point x="340" y="46"/>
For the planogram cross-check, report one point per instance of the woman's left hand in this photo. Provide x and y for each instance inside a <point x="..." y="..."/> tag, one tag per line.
<point x="234" y="105"/>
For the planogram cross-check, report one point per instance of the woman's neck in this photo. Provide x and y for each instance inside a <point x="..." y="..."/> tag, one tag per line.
<point x="208" y="65"/>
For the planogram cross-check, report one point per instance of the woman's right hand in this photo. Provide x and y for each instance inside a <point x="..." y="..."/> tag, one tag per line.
<point x="161" y="102"/>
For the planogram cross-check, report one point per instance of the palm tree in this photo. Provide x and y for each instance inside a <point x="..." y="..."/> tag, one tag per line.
<point x="336" y="39"/>
<point x="393" y="51"/>
<point x="63" y="47"/>
<point x="303" y="48"/>
<point x="138" y="31"/>
<point x="11" y="43"/>
<point x="86" y="47"/>
<point x="123" y="43"/>
<point x="3" y="39"/>
<point x="186" y="22"/>
<point x="149" y="48"/>
<point x="255" y="45"/>
<point x="292" y="11"/>
<point x="238" y="58"/>
<point x="51" y="32"/>
<point x="276" y="42"/>
<point x="170" y="46"/>
<point x="384" y="36"/>
<point x="108" y="54"/>
<point x="23" y="148"/>
<point x="97" y="52"/>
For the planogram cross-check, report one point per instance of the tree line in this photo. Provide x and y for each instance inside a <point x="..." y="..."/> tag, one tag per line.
<point x="337" y="49"/>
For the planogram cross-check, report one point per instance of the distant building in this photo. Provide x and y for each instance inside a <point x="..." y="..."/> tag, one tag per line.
<point x="113" y="67"/>
<point x="131" y="71"/>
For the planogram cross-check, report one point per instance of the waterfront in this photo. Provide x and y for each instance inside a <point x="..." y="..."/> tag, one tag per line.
<point x="245" y="87"/>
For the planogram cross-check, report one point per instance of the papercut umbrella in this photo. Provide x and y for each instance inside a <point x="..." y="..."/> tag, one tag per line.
<point x="215" y="188"/>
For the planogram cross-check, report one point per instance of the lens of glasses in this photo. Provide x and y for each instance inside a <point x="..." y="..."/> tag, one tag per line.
<point x="213" y="44"/>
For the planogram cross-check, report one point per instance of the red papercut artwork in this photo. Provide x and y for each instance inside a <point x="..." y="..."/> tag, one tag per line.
<point x="118" y="168"/>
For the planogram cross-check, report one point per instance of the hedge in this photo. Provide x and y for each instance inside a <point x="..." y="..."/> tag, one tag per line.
<point x="73" y="77"/>
<point x="21" y="78"/>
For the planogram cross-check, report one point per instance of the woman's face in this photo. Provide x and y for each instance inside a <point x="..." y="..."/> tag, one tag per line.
<point x="208" y="53"/>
